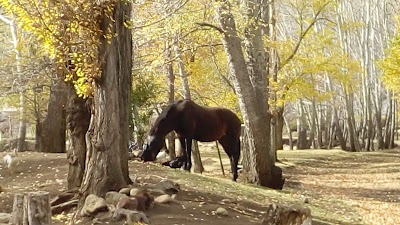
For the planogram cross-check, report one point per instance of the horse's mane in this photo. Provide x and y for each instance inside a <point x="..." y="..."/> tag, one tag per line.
<point x="162" y="116"/>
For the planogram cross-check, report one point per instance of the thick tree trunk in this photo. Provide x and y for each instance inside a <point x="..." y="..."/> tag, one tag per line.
<point x="107" y="137"/>
<point x="250" y="86"/>
<point x="54" y="125"/>
<point x="78" y="118"/>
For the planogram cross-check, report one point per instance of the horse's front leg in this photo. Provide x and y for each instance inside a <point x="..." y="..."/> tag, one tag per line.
<point x="186" y="144"/>
<point x="188" y="164"/>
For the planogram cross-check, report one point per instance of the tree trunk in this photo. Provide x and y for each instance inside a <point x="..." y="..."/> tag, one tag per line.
<point x="107" y="137"/>
<point x="289" y="131"/>
<point x="138" y="124"/>
<point x="198" y="165"/>
<point x="279" y="128"/>
<point x="22" y="102"/>
<point x="54" y="125"/>
<point x="31" y="208"/>
<point x="250" y="86"/>
<point x="171" y="97"/>
<point x="301" y="128"/>
<point x="38" y="121"/>
<point x="78" y="118"/>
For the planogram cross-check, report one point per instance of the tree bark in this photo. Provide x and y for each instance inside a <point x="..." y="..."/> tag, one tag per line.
<point x="78" y="118"/>
<point x="250" y="85"/>
<point x="169" y="69"/>
<point x="107" y="137"/>
<point x="32" y="208"/>
<point x="54" y="125"/>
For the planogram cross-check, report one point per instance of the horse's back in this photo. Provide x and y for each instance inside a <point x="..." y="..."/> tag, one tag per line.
<point x="210" y="123"/>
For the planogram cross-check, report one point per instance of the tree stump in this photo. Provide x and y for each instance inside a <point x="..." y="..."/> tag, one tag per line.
<point x="31" y="208"/>
<point x="287" y="215"/>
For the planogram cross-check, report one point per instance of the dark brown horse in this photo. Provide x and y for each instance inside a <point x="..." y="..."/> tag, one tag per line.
<point x="191" y="121"/>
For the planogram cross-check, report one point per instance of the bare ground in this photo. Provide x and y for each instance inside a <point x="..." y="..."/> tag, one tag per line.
<point x="341" y="187"/>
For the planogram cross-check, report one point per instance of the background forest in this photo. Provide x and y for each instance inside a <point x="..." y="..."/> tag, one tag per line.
<point x="333" y="80"/>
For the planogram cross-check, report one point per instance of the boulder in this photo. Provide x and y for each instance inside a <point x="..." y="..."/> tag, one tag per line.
<point x="128" y="203"/>
<point x="221" y="212"/>
<point x="125" y="191"/>
<point x="93" y="204"/>
<point x="113" y="197"/>
<point x="130" y="216"/>
<point x="164" y="199"/>
<point x="167" y="186"/>
<point x="136" y="191"/>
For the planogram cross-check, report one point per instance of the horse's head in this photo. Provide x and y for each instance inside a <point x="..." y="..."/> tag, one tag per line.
<point x="156" y="139"/>
<point x="152" y="148"/>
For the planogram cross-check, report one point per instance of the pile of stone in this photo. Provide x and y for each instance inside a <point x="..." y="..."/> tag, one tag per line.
<point x="130" y="203"/>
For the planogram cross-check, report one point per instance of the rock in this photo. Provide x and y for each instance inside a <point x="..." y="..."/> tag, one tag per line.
<point x="128" y="203"/>
<point x="125" y="191"/>
<point x="146" y="186"/>
<point x="221" y="212"/>
<point x="136" y="191"/>
<point x="130" y="216"/>
<point x="281" y="214"/>
<point x="155" y="192"/>
<point x="113" y="197"/>
<point x="163" y="199"/>
<point x="174" y="196"/>
<point x="145" y="201"/>
<point x="5" y="217"/>
<point x="168" y="187"/>
<point x="93" y="204"/>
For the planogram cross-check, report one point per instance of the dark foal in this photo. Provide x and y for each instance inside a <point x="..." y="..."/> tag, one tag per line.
<point x="193" y="122"/>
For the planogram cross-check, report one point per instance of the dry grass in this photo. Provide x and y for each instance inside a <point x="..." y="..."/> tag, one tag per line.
<point x="343" y="187"/>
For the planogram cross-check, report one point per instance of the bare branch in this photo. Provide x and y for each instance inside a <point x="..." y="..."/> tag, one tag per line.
<point x="204" y="24"/>
<point x="301" y="38"/>
<point x="5" y="19"/>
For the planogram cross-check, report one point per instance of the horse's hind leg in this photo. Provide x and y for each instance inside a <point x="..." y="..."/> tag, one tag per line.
<point x="188" y="164"/>
<point x="232" y="149"/>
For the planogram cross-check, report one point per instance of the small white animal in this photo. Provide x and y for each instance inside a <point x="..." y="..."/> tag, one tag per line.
<point x="10" y="160"/>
